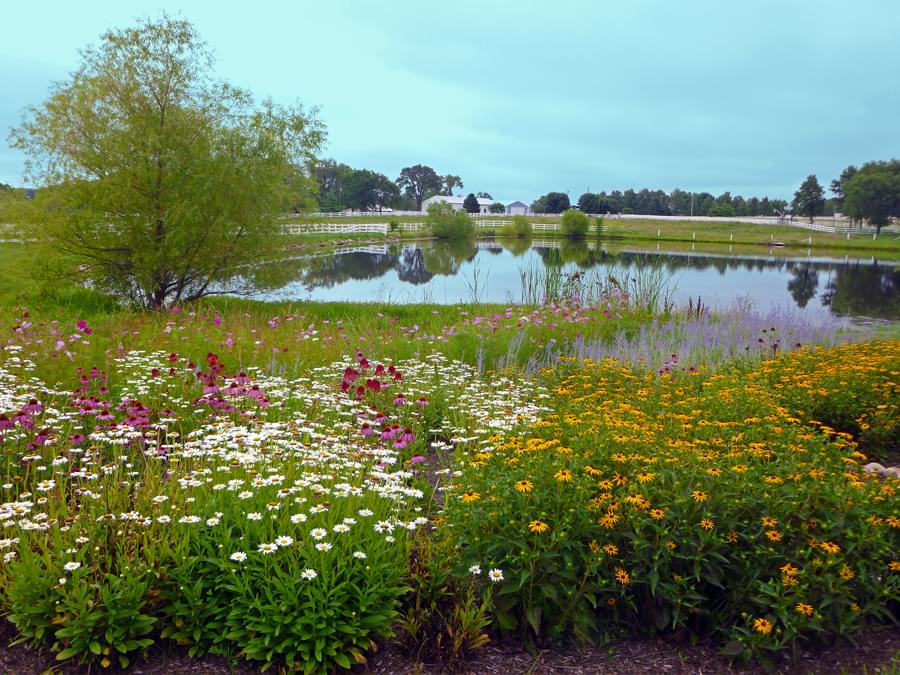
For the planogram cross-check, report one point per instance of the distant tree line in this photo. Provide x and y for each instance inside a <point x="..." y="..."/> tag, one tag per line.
<point x="344" y="187"/>
<point x="868" y="194"/>
<point x="660" y="203"/>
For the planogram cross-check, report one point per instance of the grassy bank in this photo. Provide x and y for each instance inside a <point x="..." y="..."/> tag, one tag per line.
<point x="795" y="239"/>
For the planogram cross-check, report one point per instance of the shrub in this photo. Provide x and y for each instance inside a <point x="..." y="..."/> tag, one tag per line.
<point x="519" y="227"/>
<point x="574" y="223"/>
<point x="92" y="608"/>
<point x="448" y="223"/>
<point x="394" y="225"/>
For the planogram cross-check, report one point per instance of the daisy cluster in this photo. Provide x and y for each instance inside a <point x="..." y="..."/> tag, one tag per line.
<point x="285" y="460"/>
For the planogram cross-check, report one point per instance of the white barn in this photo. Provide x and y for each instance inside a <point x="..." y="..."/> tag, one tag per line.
<point x="456" y="201"/>
<point x="517" y="208"/>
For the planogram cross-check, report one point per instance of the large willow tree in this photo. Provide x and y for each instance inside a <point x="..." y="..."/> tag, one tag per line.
<point x="161" y="185"/>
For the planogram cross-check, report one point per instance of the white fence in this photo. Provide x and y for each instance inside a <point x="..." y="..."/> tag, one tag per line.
<point x="484" y="223"/>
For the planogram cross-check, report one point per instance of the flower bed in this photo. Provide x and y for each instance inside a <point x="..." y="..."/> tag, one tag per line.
<point x="659" y="503"/>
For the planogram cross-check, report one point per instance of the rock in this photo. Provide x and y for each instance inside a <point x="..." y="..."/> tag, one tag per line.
<point x="873" y="467"/>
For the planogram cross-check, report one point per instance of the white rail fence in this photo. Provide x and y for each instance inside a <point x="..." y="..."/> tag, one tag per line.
<point x="609" y="223"/>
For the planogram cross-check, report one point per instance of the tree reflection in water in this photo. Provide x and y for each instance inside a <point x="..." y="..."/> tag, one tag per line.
<point x="846" y="289"/>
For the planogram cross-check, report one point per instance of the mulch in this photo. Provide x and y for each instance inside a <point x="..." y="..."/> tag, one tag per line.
<point x="875" y="651"/>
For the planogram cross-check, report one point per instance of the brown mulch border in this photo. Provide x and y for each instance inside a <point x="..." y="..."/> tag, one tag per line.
<point x="875" y="651"/>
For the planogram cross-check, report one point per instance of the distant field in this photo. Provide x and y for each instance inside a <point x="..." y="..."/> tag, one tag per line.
<point x="886" y="245"/>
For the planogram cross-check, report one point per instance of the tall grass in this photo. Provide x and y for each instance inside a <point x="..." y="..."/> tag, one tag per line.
<point x="647" y="287"/>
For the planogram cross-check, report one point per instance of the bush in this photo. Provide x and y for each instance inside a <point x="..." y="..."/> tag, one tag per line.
<point x="520" y="227"/>
<point x="575" y="224"/>
<point x="448" y="223"/>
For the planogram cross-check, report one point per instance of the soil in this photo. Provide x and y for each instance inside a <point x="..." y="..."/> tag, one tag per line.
<point x="875" y="651"/>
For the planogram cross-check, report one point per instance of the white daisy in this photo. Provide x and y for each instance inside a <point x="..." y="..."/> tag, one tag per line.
<point x="323" y="546"/>
<point x="341" y="528"/>
<point x="318" y="532"/>
<point x="475" y="569"/>
<point x="284" y="541"/>
<point x="308" y="574"/>
<point x="298" y="518"/>
<point x="71" y="566"/>
<point x="267" y="548"/>
<point x="254" y="516"/>
<point x="359" y="554"/>
<point x="495" y="575"/>
<point x="238" y="556"/>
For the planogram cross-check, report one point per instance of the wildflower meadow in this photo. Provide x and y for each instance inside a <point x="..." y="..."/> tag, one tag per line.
<point x="294" y="488"/>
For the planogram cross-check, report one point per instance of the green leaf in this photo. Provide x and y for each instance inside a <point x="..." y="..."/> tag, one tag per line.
<point x="95" y="647"/>
<point x="342" y="660"/>
<point x="506" y="620"/>
<point x="68" y="653"/>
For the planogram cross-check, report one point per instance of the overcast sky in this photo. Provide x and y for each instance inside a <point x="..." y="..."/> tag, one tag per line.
<point x="524" y="97"/>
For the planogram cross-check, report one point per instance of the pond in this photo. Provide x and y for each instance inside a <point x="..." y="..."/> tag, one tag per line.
<point x="503" y="271"/>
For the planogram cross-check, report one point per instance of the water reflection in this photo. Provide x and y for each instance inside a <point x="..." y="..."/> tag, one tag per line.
<point x="820" y="285"/>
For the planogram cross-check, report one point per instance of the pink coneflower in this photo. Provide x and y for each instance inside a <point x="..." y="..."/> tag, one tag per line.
<point x="408" y="436"/>
<point x="422" y="402"/>
<point x="400" y="399"/>
<point x="373" y="385"/>
<point x="379" y="370"/>
<point x="380" y="418"/>
<point x="367" y="430"/>
<point x="32" y="407"/>
<point x="416" y="459"/>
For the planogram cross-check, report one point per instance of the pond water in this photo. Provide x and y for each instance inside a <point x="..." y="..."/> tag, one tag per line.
<point x="492" y="271"/>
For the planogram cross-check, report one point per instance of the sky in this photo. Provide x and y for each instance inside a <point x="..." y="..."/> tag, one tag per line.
<point x="523" y="97"/>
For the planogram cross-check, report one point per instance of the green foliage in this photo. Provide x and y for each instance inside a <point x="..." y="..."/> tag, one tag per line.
<point x="341" y="187"/>
<point x="155" y="195"/>
<point x="470" y="204"/>
<point x="452" y="182"/>
<point x="418" y="182"/>
<point x="679" y="503"/>
<point x="574" y="224"/>
<point x="809" y="198"/>
<point x="497" y="207"/>
<point x="447" y="222"/>
<point x="520" y="227"/>
<point x="873" y="193"/>
<point x="99" y="612"/>
<point x="854" y="393"/>
<point x="442" y="620"/>
<point x="552" y="202"/>
<point x="723" y="210"/>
